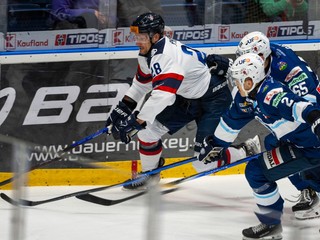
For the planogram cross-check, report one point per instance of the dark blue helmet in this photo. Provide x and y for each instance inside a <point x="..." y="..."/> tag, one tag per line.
<point x="149" y="22"/>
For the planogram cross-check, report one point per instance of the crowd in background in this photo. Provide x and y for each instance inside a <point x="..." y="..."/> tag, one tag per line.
<point x="32" y="15"/>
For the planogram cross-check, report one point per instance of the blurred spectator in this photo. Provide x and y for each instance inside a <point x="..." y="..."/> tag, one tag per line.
<point x="281" y="10"/>
<point x="128" y="10"/>
<point x="226" y="11"/>
<point x="195" y="11"/>
<point x="100" y="13"/>
<point x="80" y="13"/>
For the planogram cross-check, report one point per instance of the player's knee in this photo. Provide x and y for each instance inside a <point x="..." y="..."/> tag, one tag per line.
<point x="254" y="174"/>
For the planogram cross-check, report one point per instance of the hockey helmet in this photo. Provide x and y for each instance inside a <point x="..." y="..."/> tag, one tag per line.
<point x="150" y="23"/>
<point x="254" y="42"/>
<point x="247" y="66"/>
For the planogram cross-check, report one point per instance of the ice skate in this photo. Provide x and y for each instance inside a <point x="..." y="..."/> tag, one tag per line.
<point x="251" y="146"/>
<point x="263" y="231"/>
<point x="142" y="185"/>
<point x="308" y="205"/>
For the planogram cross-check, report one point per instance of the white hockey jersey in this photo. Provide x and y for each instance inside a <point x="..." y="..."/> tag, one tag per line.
<point x="171" y="68"/>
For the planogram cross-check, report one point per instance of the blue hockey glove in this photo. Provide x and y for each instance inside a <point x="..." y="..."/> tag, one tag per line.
<point x="315" y="127"/>
<point x="119" y="113"/>
<point x="210" y="153"/>
<point x="129" y="127"/>
<point x="313" y="119"/>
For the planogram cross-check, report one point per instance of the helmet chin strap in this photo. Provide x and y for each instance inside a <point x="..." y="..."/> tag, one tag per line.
<point x="151" y="35"/>
<point x="253" y="93"/>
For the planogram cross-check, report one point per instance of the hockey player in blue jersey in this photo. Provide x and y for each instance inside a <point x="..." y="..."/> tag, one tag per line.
<point x="292" y="119"/>
<point x="284" y="65"/>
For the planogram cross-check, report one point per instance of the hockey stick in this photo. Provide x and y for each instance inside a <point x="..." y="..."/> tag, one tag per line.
<point x="61" y="153"/>
<point x="142" y="175"/>
<point x="109" y="202"/>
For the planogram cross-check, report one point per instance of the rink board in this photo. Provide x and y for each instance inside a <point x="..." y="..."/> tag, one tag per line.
<point x="110" y="173"/>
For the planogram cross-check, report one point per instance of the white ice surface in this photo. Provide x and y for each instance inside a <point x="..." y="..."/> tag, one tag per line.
<point x="207" y="208"/>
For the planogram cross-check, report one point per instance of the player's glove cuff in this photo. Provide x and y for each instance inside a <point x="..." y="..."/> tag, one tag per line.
<point x="209" y="152"/>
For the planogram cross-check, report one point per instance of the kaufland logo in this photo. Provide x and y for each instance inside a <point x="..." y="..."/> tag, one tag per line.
<point x="10" y="42"/>
<point x="117" y="37"/>
<point x="224" y="34"/>
<point x="290" y="31"/>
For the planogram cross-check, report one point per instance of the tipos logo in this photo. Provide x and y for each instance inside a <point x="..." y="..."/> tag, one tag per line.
<point x="61" y="40"/>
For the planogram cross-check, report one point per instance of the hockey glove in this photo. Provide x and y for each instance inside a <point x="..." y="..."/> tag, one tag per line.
<point x="314" y="120"/>
<point x="208" y="152"/>
<point x="118" y="114"/>
<point x="129" y="127"/>
<point x="218" y="65"/>
<point x="315" y="127"/>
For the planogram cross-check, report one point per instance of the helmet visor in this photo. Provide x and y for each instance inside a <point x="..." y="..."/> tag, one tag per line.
<point x="140" y="37"/>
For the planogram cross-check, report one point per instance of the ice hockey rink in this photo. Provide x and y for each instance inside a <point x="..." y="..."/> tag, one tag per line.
<point x="207" y="208"/>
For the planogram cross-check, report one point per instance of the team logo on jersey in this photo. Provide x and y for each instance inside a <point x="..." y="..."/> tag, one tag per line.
<point x="265" y="89"/>
<point x="272" y="158"/>
<point x="153" y="52"/>
<point x="270" y="95"/>
<point x="293" y="73"/>
<point x="282" y="65"/>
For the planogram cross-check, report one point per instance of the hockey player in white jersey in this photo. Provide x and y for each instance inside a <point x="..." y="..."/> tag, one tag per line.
<point x="182" y="90"/>
<point x="291" y="118"/>
<point x="284" y="65"/>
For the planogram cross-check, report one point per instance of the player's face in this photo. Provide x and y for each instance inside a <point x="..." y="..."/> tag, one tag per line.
<point x="143" y="42"/>
<point x="245" y="87"/>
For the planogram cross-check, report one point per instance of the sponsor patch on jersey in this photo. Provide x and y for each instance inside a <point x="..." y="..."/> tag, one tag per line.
<point x="282" y="65"/>
<point x="270" y="95"/>
<point x="277" y="99"/>
<point x="292" y="73"/>
<point x="318" y="89"/>
<point x="245" y="104"/>
<point x="298" y="79"/>
<point x="245" y="107"/>
<point x="272" y="158"/>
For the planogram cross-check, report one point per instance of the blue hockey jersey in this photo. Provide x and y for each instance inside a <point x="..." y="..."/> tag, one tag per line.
<point x="293" y="71"/>
<point x="277" y="108"/>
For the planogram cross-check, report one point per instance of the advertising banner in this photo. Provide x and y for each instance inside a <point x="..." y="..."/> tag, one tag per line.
<point x="121" y="37"/>
<point x="54" y="104"/>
